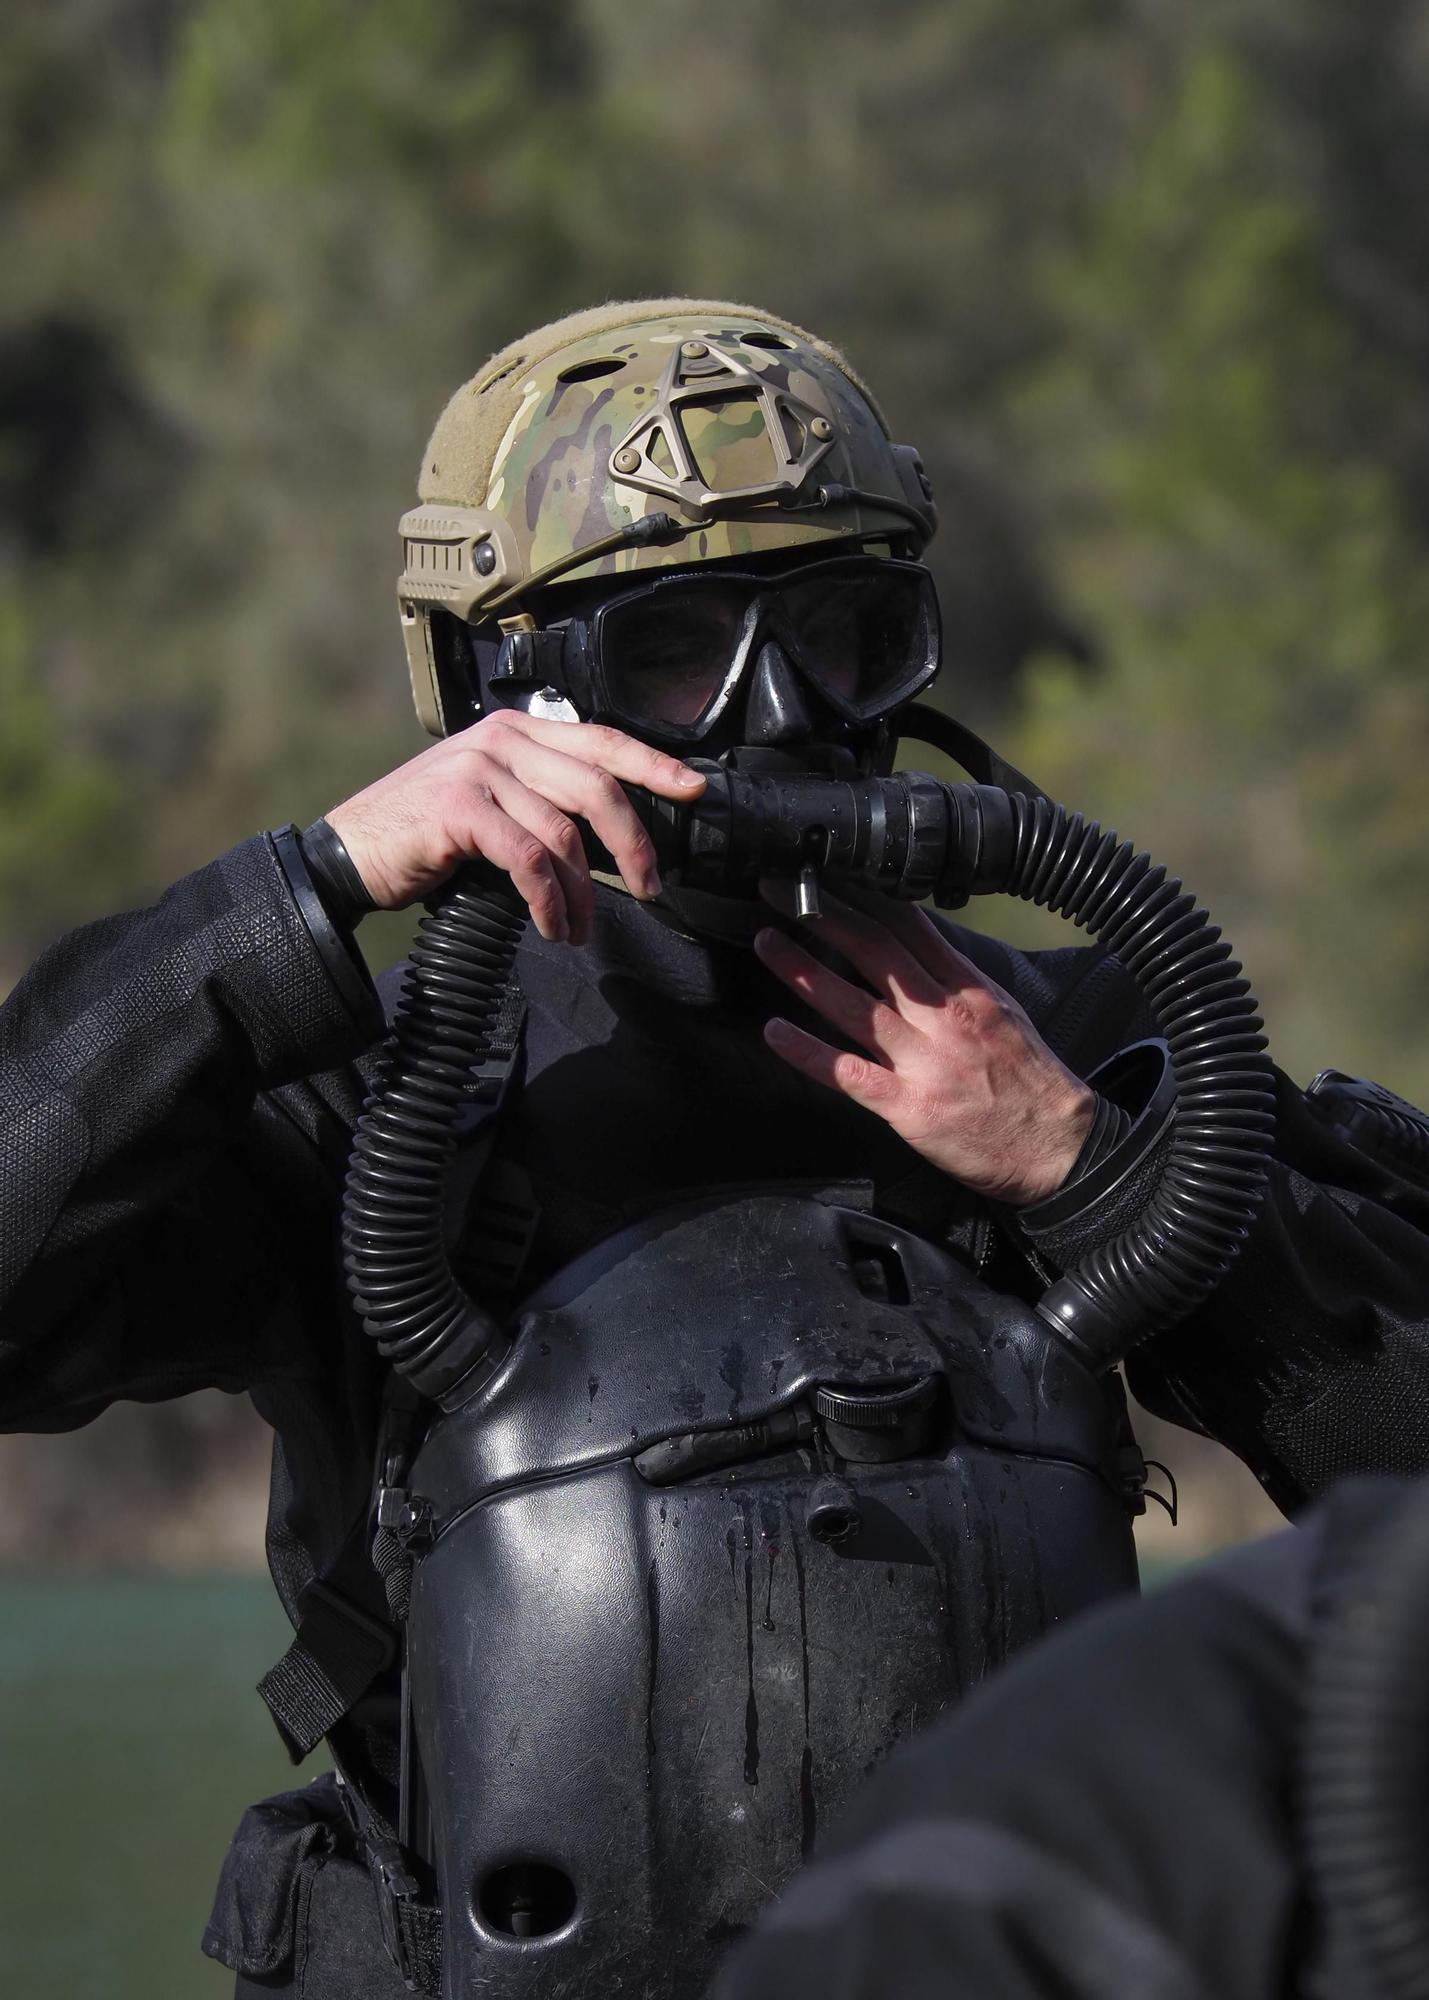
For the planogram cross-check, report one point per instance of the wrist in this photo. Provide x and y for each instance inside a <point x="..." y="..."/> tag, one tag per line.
<point x="336" y="948"/>
<point x="1062" y="1154"/>
<point x="344" y="895"/>
<point x="1110" y="1125"/>
<point x="1108" y="1192"/>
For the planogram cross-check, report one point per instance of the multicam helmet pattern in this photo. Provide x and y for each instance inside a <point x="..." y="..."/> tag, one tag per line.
<point x="739" y="431"/>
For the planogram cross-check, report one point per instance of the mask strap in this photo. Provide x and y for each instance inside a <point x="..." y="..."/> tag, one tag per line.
<point x="921" y="723"/>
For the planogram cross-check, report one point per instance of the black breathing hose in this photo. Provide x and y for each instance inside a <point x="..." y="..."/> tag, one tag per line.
<point x="910" y="836"/>
<point x="396" y="1261"/>
<point x="1366" y="1758"/>
<point x="1191" y="1231"/>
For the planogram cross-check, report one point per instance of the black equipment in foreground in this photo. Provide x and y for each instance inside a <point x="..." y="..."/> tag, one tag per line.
<point x="754" y="1490"/>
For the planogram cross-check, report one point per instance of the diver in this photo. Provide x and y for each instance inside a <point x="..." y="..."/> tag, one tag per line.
<point x="668" y="1419"/>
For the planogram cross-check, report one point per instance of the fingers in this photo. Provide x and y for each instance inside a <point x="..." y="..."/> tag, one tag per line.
<point x="506" y="788"/>
<point x="595" y="794"/>
<point x="899" y="950"/>
<point x="967" y="1082"/>
<point x="860" y="1016"/>
<point x="611" y="749"/>
<point x="867" y="1083"/>
<point x="561" y="839"/>
<point x="872" y="948"/>
<point x="492" y="832"/>
<point x="921" y="938"/>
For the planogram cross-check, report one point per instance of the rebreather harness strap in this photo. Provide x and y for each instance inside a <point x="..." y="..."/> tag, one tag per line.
<point x="411" y="1925"/>
<point x="336" y="1653"/>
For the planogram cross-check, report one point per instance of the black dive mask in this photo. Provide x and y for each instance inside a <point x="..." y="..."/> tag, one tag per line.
<point x="721" y="657"/>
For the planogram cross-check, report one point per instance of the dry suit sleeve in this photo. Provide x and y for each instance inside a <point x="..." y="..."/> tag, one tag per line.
<point x="1310" y="1359"/>
<point x="161" y="1163"/>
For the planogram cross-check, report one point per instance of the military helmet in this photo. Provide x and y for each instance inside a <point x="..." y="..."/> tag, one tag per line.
<point x="638" y="436"/>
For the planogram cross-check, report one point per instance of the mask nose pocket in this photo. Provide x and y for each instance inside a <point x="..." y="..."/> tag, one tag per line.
<point x="776" y="711"/>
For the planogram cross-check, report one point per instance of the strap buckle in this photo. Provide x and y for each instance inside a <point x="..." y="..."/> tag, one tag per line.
<point x="406" y="1515"/>
<point x="397" y="1888"/>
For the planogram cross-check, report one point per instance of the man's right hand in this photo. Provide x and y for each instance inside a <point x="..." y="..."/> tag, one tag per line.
<point x="505" y="789"/>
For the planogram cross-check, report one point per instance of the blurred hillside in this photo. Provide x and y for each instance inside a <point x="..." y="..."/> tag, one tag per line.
<point x="1148" y="283"/>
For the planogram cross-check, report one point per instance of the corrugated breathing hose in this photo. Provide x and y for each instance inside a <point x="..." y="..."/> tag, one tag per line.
<point x="396" y="1261"/>
<point x="911" y="836"/>
<point x="1188" y="1236"/>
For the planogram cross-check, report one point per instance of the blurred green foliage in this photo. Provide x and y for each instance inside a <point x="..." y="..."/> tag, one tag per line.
<point x="1149" y="284"/>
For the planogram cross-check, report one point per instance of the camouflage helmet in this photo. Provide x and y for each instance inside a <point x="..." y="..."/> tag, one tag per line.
<point x="638" y="436"/>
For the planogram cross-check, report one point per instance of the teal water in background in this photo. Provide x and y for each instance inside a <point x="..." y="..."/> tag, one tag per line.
<point x="130" y="1741"/>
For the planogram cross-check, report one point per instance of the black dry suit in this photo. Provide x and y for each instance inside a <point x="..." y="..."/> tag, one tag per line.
<point x="1220" y="1795"/>
<point x="180" y="1087"/>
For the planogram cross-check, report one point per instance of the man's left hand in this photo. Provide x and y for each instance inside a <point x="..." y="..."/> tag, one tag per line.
<point x="953" y="1065"/>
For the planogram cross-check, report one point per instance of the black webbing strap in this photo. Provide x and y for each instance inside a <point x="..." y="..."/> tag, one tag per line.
<point x="411" y="1923"/>
<point x="411" y="1929"/>
<point x="504" y="1037"/>
<point x="337" y="1652"/>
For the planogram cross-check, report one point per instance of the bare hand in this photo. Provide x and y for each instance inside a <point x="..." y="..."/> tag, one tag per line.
<point x="953" y="1065"/>
<point x="505" y="789"/>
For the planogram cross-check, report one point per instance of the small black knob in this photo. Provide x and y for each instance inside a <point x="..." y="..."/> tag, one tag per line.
<point x="876" y="1409"/>
<point x="833" y="1514"/>
<point x="872" y="1426"/>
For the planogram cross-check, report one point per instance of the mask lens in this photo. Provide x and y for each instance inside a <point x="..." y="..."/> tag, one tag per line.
<point x="867" y="637"/>
<point x="666" y="656"/>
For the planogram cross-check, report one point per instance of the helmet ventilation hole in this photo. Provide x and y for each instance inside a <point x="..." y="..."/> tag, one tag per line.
<point x="588" y="371"/>
<point x="766" y="340"/>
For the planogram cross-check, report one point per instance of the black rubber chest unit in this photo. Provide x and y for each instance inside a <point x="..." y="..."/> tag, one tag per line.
<point x="760" y="1490"/>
